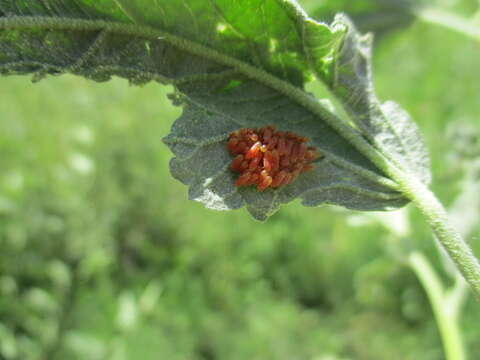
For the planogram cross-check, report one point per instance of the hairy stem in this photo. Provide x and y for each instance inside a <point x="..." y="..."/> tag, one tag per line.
<point x="445" y="311"/>
<point x="436" y="215"/>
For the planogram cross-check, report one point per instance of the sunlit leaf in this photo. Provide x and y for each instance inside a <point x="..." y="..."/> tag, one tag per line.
<point x="377" y="16"/>
<point x="234" y="64"/>
<point x="350" y="78"/>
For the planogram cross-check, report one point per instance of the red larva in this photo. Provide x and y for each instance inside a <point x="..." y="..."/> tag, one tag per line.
<point x="267" y="158"/>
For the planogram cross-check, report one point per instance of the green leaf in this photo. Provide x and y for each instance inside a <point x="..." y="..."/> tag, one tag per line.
<point x="350" y="79"/>
<point x="234" y="64"/>
<point x="377" y="16"/>
<point x="198" y="140"/>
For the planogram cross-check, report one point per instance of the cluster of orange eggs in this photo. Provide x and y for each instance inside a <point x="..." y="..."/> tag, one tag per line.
<point x="267" y="157"/>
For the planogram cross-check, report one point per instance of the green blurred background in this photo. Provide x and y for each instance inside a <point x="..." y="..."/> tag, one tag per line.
<point x="103" y="257"/>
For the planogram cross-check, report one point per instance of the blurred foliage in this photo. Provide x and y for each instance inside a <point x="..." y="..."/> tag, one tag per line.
<point x="382" y="17"/>
<point x="104" y="258"/>
<point x="378" y="16"/>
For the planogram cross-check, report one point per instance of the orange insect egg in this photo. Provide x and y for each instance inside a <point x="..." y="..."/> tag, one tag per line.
<point x="232" y="143"/>
<point x="295" y="152"/>
<point x="272" y="143"/>
<point x="243" y="179"/>
<point x="265" y="183"/>
<point x="237" y="163"/>
<point x="288" y="147"/>
<point x="268" y="161"/>
<point x="281" y="146"/>
<point x="254" y="163"/>
<point x="254" y="150"/>
<point x="285" y="161"/>
<point x="245" y="165"/>
<point x="278" y="179"/>
<point x="255" y="178"/>
<point x="267" y="134"/>
<point x="269" y="158"/>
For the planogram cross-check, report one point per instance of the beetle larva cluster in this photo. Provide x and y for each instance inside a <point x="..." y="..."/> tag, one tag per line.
<point x="267" y="157"/>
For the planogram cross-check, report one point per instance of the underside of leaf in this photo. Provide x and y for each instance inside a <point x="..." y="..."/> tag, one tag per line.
<point x="234" y="64"/>
<point x="349" y="76"/>
<point x="198" y="140"/>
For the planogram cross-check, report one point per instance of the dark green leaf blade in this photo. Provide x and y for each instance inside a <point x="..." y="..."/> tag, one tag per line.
<point x="198" y="140"/>
<point x="377" y="16"/>
<point x="350" y="78"/>
<point x="138" y="41"/>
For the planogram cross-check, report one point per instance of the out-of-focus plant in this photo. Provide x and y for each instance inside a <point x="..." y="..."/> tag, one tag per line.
<point x="377" y="16"/>
<point x="382" y="16"/>
<point x="447" y="301"/>
<point x="244" y="64"/>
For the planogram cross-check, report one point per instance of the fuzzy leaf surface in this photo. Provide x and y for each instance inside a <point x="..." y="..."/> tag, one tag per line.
<point x="221" y="56"/>
<point x="349" y="76"/>
<point x="377" y="16"/>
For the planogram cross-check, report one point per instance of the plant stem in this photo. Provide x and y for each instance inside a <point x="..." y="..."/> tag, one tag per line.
<point x="456" y="247"/>
<point x="445" y="311"/>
